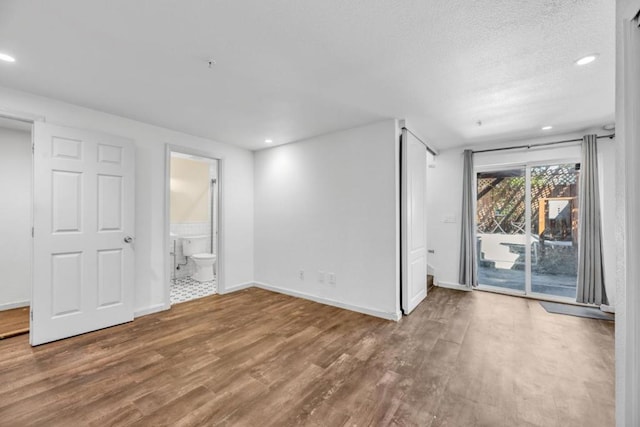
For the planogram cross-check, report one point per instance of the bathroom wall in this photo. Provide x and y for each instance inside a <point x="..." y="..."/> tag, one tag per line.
<point x="15" y="218"/>
<point x="150" y="144"/>
<point x="191" y="209"/>
<point x="190" y="187"/>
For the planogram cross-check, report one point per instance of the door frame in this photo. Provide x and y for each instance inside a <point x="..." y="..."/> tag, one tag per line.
<point x="220" y="250"/>
<point x="30" y="119"/>
<point x="627" y="155"/>
<point x="527" y="271"/>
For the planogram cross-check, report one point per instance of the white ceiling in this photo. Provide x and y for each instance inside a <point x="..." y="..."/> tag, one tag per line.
<point x="291" y="69"/>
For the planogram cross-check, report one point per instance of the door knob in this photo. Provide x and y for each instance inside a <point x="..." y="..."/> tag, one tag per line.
<point x="128" y="239"/>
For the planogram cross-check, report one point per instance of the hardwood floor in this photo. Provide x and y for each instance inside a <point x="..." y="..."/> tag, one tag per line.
<point x="14" y="322"/>
<point x="256" y="358"/>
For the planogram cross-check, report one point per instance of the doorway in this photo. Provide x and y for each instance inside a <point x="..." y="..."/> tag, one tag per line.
<point x="15" y="226"/>
<point x="76" y="221"/>
<point x="194" y="190"/>
<point x="527" y="229"/>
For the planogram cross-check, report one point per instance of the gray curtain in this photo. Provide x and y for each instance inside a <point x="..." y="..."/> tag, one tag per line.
<point x="591" y="288"/>
<point x="468" y="273"/>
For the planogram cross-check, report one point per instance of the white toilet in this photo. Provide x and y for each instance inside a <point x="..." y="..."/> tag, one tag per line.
<point x="195" y="247"/>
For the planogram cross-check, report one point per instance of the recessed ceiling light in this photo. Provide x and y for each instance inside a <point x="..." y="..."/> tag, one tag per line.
<point x="268" y="141"/>
<point x="547" y="128"/>
<point x="7" y="58"/>
<point x="587" y="59"/>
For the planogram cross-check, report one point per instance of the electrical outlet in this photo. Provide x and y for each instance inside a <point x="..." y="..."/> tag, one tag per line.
<point x="332" y="278"/>
<point x="301" y="274"/>
<point x="321" y="276"/>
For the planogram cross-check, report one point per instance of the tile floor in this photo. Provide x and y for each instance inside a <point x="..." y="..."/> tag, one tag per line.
<point x="186" y="289"/>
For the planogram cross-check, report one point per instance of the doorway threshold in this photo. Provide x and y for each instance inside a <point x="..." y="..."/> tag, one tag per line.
<point x="14" y="322"/>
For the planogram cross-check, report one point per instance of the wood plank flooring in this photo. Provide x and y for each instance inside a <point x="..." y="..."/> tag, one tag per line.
<point x="256" y="358"/>
<point x="14" y="322"/>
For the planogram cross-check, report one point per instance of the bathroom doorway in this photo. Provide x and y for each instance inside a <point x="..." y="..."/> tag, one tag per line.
<point x="15" y="226"/>
<point x="193" y="211"/>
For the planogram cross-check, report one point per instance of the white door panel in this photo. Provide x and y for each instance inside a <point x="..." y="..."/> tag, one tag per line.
<point x="83" y="210"/>
<point x="414" y="237"/>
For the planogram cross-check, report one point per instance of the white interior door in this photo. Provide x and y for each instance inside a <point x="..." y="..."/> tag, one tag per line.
<point x="414" y="227"/>
<point x="83" y="266"/>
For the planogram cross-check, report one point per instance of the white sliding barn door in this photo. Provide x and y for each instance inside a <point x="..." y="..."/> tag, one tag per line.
<point x="414" y="227"/>
<point x="83" y="215"/>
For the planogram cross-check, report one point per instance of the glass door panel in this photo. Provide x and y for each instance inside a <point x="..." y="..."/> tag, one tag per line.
<point x="554" y="229"/>
<point x="501" y="223"/>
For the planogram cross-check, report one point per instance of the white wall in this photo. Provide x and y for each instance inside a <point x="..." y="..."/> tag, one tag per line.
<point x="150" y="190"/>
<point x="444" y="204"/>
<point x="15" y="218"/>
<point x="445" y="201"/>
<point x="330" y="204"/>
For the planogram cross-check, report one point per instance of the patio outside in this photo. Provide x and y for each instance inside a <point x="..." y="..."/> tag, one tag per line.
<point x="554" y="233"/>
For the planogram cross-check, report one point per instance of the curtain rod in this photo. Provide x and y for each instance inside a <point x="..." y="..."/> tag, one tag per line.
<point x="429" y="149"/>
<point x="610" y="136"/>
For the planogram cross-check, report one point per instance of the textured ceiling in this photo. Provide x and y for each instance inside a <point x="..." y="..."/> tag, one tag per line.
<point x="291" y="69"/>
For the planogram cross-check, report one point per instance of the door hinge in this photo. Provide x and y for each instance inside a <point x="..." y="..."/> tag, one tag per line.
<point x="31" y="313"/>
<point x="33" y="148"/>
<point x="32" y="232"/>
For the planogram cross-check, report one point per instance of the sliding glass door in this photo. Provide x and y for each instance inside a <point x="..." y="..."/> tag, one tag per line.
<point x="501" y="234"/>
<point x="527" y="229"/>
<point x="554" y="230"/>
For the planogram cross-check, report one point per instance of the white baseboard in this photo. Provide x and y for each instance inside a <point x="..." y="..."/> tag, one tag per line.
<point x="151" y="309"/>
<point x="327" y="301"/>
<point x="238" y="287"/>
<point x="608" y="308"/>
<point x="364" y="310"/>
<point x="17" y="304"/>
<point x="450" y="285"/>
